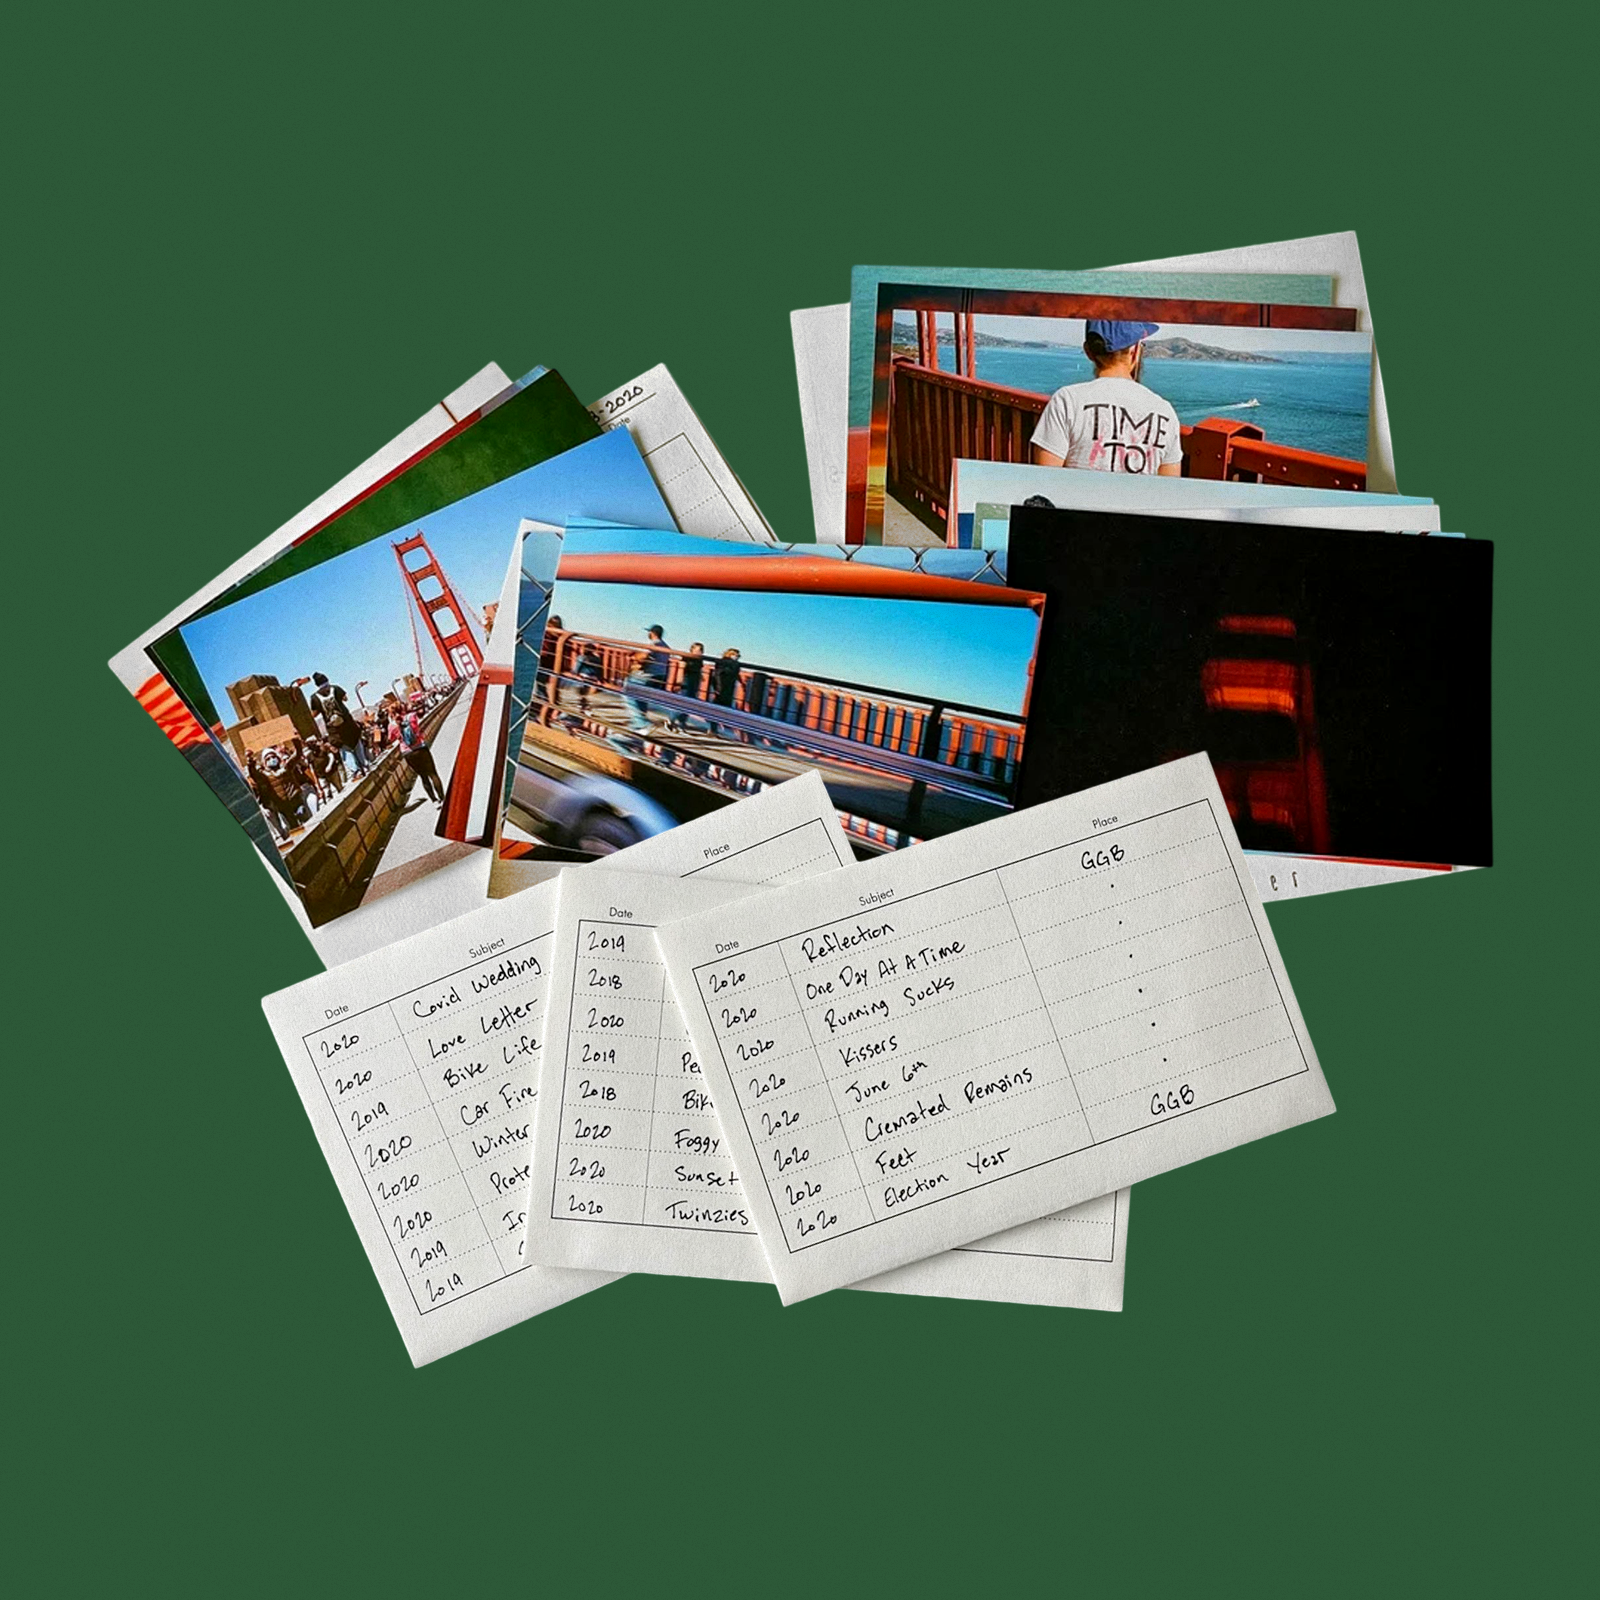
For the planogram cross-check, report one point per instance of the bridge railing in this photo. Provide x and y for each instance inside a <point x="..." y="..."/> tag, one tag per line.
<point x="936" y="417"/>
<point x="943" y="745"/>
<point x="332" y="861"/>
<point x="1240" y="452"/>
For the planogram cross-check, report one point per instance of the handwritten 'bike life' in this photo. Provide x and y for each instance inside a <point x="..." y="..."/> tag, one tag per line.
<point x="419" y="1067"/>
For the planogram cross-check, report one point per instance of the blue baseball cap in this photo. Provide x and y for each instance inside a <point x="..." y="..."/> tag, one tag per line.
<point x="1120" y="335"/>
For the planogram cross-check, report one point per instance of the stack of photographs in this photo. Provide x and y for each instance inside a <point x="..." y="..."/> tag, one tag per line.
<point x="680" y="674"/>
<point x="1191" y="461"/>
<point x="348" y="689"/>
<point x="1068" y="524"/>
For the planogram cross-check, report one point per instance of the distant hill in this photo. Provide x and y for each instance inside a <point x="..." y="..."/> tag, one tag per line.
<point x="1177" y="349"/>
<point x="906" y="339"/>
<point x="1172" y="349"/>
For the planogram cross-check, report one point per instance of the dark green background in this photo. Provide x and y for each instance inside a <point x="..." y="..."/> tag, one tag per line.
<point x="242" y="256"/>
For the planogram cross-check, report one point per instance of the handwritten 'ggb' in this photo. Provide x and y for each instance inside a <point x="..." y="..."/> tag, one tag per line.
<point x="836" y="942"/>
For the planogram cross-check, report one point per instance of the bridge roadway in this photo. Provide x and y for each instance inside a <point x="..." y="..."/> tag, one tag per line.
<point x="877" y="796"/>
<point x="414" y="848"/>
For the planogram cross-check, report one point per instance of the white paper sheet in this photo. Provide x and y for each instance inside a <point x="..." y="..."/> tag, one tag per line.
<point x="822" y="361"/>
<point x="935" y="1046"/>
<point x="418" y="1067"/>
<point x="631" y="1171"/>
<point x="703" y="491"/>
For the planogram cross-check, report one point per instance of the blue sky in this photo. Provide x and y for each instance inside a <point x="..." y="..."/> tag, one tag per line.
<point x="972" y="653"/>
<point x="348" y="617"/>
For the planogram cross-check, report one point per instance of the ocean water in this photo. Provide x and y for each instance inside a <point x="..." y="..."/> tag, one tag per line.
<point x="1309" y="402"/>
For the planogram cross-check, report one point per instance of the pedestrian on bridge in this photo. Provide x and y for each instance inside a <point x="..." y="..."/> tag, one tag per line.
<point x="547" y="686"/>
<point x="339" y="722"/>
<point x="689" y="684"/>
<point x="407" y="728"/>
<point x="266" y="797"/>
<point x="278" y="792"/>
<point x="725" y="682"/>
<point x="650" y="668"/>
<point x="589" y="672"/>
<point x="330" y="764"/>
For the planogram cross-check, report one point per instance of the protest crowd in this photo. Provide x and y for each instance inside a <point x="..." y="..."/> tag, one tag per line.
<point x="297" y="779"/>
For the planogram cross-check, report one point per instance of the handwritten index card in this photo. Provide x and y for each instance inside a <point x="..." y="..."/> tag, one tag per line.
<point x="630" y="1167"/>
<point x="631" y="1171"/>
<point x="418" y="1067"/>
<point x="962" y="1037"/>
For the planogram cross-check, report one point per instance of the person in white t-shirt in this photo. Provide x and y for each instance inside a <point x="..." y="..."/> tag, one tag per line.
<point x="1112" y="423"/>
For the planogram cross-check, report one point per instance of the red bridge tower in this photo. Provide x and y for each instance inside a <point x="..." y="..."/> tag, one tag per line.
<point x="443" y="612"/>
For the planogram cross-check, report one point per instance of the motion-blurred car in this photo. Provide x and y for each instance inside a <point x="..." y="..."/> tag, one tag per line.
<point x="584" y="812"/>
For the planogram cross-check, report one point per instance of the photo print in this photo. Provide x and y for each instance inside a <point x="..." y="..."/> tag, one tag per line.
<point x="1137" y="387"/>
<point x="678" y="675"/>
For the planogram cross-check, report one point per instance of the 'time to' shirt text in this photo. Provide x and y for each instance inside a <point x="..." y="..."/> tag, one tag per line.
<point x="1110" y="425"/>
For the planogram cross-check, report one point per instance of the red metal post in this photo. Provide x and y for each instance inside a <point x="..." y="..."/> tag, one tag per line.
<point x="458" y="649"/>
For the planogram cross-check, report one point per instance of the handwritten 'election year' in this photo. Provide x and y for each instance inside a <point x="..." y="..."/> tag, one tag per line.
<point x="931" y="1047"/>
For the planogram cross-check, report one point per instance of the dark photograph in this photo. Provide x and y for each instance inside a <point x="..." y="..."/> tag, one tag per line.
<point x="1338" y="680"/>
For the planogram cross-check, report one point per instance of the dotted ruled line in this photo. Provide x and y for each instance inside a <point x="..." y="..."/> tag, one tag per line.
<point x="433" y="1144"/>
<point x="1160" y="966"/>
<point x="445" y="1263"/>
<point x="810" y="861"/>
<point x="1194" y="1072"/>
<point x="450" y="1177"/>
<point x="618" y="1072"/>
<point x="611" y="1033"/>
<point x="1127" y="900"/>
<point x="1195" y="1033"/>
<point x="946" y="964"/>
<point x="868" y="1022"/>
<point x="762" y="1062"/>
<point x="638" y="1150"/>
<point x="1230" y="905"/>
<point x="616" y="1109"/>
<point x="1188" y="994"/>
<point x="987" y="1144"/>
<point x="731" y="1188"/>
<point x="444" y="1222"/>
<point x="920" y="1087"/>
